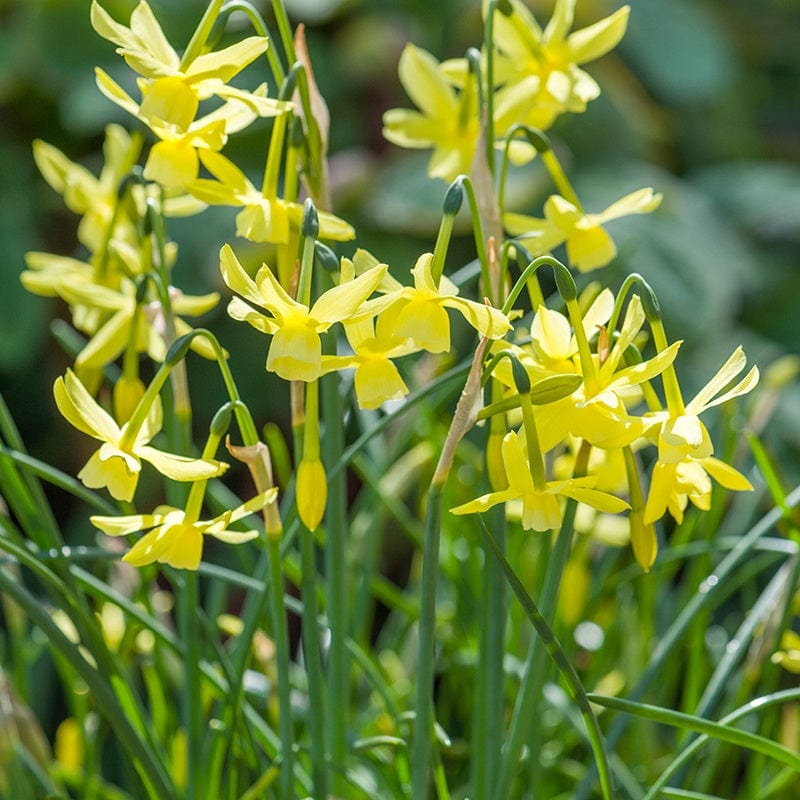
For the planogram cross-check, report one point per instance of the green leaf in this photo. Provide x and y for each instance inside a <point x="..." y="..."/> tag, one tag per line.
<point x="723" y="733"/>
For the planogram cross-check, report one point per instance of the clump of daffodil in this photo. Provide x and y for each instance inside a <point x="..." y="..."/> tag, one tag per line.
<point x="172" y="89"/>
<point x="104" y="217"/>
<point x="588" y="244"/>
<point x="598" y="409"/>
<point x="295" y="353"/>
<point x="116" y="465"/>
<point x="128" y="320"/>
<point x="545" y="64"/>
<point x="685" y="451"/>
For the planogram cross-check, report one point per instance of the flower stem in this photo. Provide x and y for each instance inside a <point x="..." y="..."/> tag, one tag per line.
<point x="313" y="663"/>
<point x="188" y="600"/>
<point x="337" y="527"/>
<point x="423" y="737"/>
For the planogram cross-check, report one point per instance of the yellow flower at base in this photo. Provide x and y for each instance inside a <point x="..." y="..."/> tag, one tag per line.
<point x="540" y="508"/>
<point x="174" y="537"/>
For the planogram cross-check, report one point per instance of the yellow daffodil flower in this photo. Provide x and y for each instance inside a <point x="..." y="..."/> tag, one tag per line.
<point x="545" y="63"/>
<point x="447" y="120"/>
<point x="173" y="161"/>
<point x="685" y="449"/>
<point x="673" y="484"/>
<point x="117" y="463"/>
<point x="683" y="435"/>
<point x="597" y="410"/>
<point x="295" y="353"/>
<point x="588" y="244"/>
<point x="540" y="507"/>
<point x="147" y="51"/>
<point x="123" y="320"/>
<point x="94" y="198"/>
<point x="553" y="348"/>
<point x="173" y="537"/>
<point x="376" y="378"/>
<point x="262" y="219"/>
<point x="417" y="313"/>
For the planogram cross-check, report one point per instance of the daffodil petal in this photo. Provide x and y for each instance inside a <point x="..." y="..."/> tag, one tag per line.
<point x="121" y="526"/>
<point x="596" y="40"/>
<point x="180" y="468"/>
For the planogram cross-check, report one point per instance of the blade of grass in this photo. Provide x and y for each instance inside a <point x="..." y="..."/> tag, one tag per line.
<point x="715" y="730"/>
<point x="150" y="768"/>
<point x="707" y="591"/>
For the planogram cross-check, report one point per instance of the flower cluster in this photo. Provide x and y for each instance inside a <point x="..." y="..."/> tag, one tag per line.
<point x="565" y="379"/>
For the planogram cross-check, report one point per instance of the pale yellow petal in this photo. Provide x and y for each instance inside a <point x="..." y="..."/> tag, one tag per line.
<point x="235" y="277"/>
<point x="343" y="301"/>
<point x="229" y="61"/>
<point x="122" y="526"/>
<point x="726" y="475"/>
<point x="180" y="468"/>
<point x="642" y="201"/>
<point x="590" y="43"/>
<point x="423" y="81"/>
<point x="81" y="410"/>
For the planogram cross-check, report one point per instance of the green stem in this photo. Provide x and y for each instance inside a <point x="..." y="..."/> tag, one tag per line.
<point x="201" y="34"/>
<point x="423" y="734"/>
<point x="490" y="698"/>
<point x="338" y="579"/>
<point x="285" y="30"/>
<point x="313" y="663"/>
<point x="559" y="657"/>
<point x="188" y="599"/>
<point x="559" y="178"/>
<point x="280" y="634"/>
<point x="260" y="27"/>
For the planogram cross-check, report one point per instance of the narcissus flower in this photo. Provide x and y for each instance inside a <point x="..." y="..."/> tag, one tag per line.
<point x="685" y="450"/>
<point x="262" y="219"/>
<point x="376" y="377"/>
<point x="295" y="353"/>
<point x="175" y="538"/>
<point x="545" y="63"/>
<point x="588" y="244"/>
<point x="417" y="313"/>
<point x="540" y="507"/>
<point x="173" y="161"/>
<point x="117" y="463"/>
<point x="120" y="320"/>
<point x="146" y="50"/>
<point x="447" y="120"/>
<point x="597" y="410"/>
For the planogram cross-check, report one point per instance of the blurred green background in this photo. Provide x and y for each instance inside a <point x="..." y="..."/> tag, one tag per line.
<point x="700" y="101"/>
